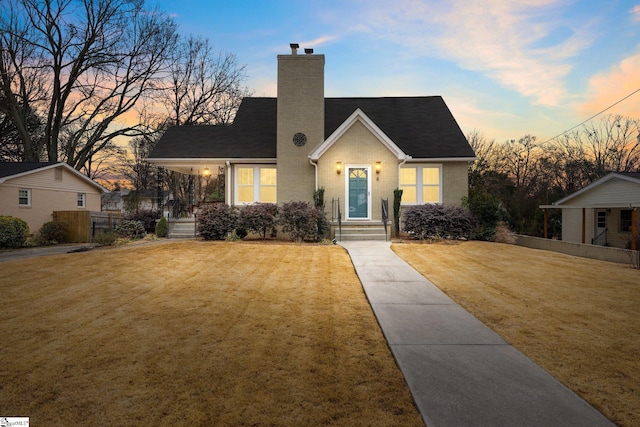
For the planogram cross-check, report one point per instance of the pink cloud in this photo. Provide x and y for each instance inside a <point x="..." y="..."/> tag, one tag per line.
<point x="609" y="87"/>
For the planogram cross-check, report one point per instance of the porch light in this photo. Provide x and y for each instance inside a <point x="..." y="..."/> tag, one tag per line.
<point x="338" y="167"/>
<point x="378" y="167"/>
<point x="206" y="172"/>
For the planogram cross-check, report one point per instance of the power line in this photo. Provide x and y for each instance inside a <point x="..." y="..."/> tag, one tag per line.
<point x="595" y="115"/>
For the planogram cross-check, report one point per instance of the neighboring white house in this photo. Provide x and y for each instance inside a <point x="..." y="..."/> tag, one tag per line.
<point x="32" y="191"/>
<point x="602" y="213"/>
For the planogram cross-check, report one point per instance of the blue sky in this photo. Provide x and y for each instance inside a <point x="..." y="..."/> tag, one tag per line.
<point x="505" y="68"/>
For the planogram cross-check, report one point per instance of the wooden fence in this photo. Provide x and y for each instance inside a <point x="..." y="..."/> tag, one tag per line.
<point x="82" y="225"/>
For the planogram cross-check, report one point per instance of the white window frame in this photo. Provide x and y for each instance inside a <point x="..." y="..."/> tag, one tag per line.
<point x="256" y="182"/>
<point x="28" y="204"/>
<point x="418" y="184"/>
<point x="81" y="200"/>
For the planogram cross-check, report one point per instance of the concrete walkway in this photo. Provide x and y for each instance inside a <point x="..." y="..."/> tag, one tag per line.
<point x="460" y="373"/>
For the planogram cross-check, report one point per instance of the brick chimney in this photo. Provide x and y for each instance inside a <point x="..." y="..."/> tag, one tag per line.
<point x="300" y="124"/>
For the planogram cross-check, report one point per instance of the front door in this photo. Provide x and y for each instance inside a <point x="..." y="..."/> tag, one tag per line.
<point x="600" y="237"/>
<point x="358" y="192"/>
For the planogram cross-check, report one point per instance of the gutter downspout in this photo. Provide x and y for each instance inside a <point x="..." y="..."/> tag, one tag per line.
<point x="316" y="171"/>
<point x="406" y="158"/>
<point x="228" y="183"/>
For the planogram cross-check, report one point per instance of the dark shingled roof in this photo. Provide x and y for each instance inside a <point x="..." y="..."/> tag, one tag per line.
<point x="15" y="168"/>
<point x="635" y="175"/>
<point x="422" y="127"/>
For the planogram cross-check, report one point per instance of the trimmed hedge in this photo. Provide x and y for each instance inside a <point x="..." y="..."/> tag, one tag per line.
<point x="131" y="229"/>
<point x="216" y="221"/>
<point x="258" y="218"/>
<point x="300" y="220"/>
<point x="147" y="218"/>
<point x="438" y="222"/>
<point x="53" y="232"/>
<point x="13" y="232"/>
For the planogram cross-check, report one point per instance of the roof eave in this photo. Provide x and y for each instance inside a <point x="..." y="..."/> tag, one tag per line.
<point x="441" y="159"/>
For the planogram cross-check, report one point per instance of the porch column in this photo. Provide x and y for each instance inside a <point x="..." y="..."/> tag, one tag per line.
<point x="584" y="217"/>
<point x="634" y="228"/>
<point x="546" y="222"/>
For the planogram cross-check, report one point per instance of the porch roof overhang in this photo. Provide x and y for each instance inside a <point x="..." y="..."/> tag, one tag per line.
<point x="631" y="205"/>
<point x="195" y="166"/>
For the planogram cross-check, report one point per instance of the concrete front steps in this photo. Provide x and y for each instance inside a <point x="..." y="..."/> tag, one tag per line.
<point x="183" y="228"/>
<point x="360" y="232"/>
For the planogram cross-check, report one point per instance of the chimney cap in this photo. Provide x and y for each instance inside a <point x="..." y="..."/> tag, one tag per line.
<point x="308" y="51"/>
<point x="294" y="45"/>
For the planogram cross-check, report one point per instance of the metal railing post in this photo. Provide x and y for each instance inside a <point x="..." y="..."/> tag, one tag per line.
<point x="385" y="216"/>
<point x="339" y="220"/>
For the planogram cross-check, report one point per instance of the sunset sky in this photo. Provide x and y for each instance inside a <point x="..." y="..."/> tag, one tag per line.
<point x="505" y="68"/>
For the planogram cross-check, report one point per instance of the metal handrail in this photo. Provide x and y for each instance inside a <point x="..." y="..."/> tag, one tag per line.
<point x="339" y="220"/>
<point x="385" y="216"/>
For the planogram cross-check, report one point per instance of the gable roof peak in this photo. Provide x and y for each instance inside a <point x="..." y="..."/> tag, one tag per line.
<point x="358" y="116"/>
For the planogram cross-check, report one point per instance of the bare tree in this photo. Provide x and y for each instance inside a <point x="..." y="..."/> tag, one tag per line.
<point x="84" y="65"/>
<point x="203" y="87"/>
<point x="613" y="143"/>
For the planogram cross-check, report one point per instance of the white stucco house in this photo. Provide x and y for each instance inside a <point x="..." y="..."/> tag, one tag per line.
<point x="604" y="212"/>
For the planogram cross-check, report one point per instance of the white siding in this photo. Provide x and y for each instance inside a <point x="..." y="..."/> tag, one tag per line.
<point x="616" y="192"/>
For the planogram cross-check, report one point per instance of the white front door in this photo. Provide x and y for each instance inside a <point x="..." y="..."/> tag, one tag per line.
<point x="600" y="236"/>
<point x="358" y="187"/>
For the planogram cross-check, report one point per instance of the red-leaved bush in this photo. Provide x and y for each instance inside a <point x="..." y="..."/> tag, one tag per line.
<point x="300" y="220"/>
<point x="216" y="221"/>
<point x="438" y="222"/>
<point x="258" y="218"/>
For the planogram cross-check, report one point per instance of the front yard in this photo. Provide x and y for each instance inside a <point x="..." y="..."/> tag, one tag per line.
<point x="577" y="318"/>
<point x="214" y="333"/>
<point x="195" y="333"/>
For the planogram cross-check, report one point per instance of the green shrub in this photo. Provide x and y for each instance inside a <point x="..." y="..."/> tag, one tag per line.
<point x="131" y="229"/>
<point x="162" y="229"/>
<point x="258" y="218"/>
<point x="487" y="211"/>
<point x="105" y="237"/>
<point x="438" y="222"/>
<point x="13" y="232"/>
<point x="300" y="220"/>
<point x="397" y="198"/>
<point x="53" y="232"/>
<point x="215" y="222"/>
<point x="147" y="218"/>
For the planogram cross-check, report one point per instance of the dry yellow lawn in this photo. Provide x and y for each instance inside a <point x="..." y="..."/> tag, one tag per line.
<point x="577" y="318"/>
<point x="195" y="333"/>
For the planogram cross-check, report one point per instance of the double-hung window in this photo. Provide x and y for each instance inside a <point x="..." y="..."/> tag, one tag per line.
<point x="24" y="197"/>
<point x="82" y="200"/>
<point x="421" y="184"/>
<point x="255" y="184"/>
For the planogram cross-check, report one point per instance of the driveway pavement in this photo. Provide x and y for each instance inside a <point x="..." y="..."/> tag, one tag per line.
<point x="459" y="371"/>
<point x="43" y="250"/>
